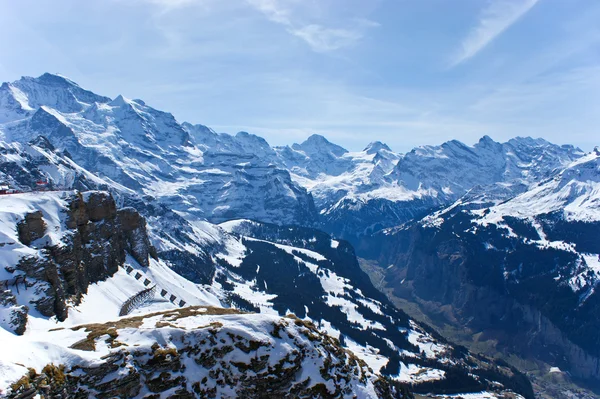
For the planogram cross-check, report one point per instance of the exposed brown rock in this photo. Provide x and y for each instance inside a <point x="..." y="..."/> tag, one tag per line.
<point x="97" y="244"/>
<point x="17" y="318"/>
<point x="31" y="228"/>
<point x="133" y="226"/>
<point x="101" y="206"/>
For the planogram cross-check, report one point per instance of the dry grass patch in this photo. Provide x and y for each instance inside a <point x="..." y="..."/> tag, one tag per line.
<point x="110" y="328"/>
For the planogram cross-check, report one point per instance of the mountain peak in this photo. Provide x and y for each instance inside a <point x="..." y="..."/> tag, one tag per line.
<point x="486" y="140"/>
<point x="52" y="90"/>
<point x="376" y="146"/>
<point x="528" y="141"/>
<point x="317" y="143"/>
<point x="55" y="79"/>
<point x="253" y="142"/>
<point x="316" y="138"/>
<point x="119" y="101"/>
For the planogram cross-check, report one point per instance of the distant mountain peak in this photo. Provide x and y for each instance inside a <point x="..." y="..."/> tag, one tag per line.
<point x="198" y="127"/>
<point x="376" y="146"/>
<point x="487" y="140"/>
<point x="23" y="96"/>
<point x="253" y="142"/>
<point x="317" y="143"/>
<point x="119" y="101"/>
<point x="55" y="79"/>
<point x="316" y="138"/>
<point x="528" y="140"/>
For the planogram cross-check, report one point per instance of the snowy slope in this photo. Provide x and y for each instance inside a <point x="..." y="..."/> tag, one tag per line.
<point x="15" y="207"/>
<point x="196" y="348"/>
<point x="256" y="267"/>
<point x="306" y="272"/>
<point x="575" y="192"/>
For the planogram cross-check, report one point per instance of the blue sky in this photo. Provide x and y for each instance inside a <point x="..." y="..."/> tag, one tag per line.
<point x="404" y="72"/>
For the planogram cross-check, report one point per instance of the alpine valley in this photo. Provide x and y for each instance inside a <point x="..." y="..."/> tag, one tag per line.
<point x="141" y="257"/>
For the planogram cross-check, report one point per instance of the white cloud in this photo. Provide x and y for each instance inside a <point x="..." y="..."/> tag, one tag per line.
<point x="320" y="38"/>
<point x="495" y="19"/>
<point x="323" y="39"/>
<point x="275" y="10"/>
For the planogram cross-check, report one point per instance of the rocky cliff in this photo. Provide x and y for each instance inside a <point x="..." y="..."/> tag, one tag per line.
<point x="87" y="245"/>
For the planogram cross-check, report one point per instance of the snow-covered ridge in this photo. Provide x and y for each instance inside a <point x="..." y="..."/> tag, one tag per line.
<point x="146" y="150"/>
<point x="575" y="192"/>
<point x="214" y="176"/>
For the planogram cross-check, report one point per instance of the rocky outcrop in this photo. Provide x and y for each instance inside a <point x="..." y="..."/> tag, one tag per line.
<point x="240" y="356"/>
<point x="31" y="227"/>
<point x="12" y="314"/>
<point x="133" y="227"/>
<point x="100" y="206"/>
<point x="96" y="242"/>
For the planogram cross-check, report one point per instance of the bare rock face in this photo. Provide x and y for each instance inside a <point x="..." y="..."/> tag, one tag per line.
<point x="133" y="226"/>
<point x="93" y="248"/>
<point x="31" y="228"/>
<point x="12" y="314"/>
<point x="100" y="206"/>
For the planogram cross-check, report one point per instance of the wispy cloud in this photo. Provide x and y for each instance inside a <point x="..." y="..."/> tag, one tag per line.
<point x="495" y="19"/>
<point x="320" y="38"/>
<point x="323" y="39"/>
<point x="275" y="10"/>
<point x="172" y="4"/>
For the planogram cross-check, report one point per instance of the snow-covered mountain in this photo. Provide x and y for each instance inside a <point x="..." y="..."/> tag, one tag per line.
<point x="429" y="177"/>
<point x="230" y="222"/>
<point x="532" y="261"/>
<point x="217" y="177"/>
<point x="23" y="97"/>
<point x="73" y="259"/>
<point x="148" y="151"/>
<point x="574" y="194"/>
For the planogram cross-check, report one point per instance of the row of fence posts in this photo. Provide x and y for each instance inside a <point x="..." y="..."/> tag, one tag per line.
<point x="163" y="293"/>
<point x="137" y="300"/>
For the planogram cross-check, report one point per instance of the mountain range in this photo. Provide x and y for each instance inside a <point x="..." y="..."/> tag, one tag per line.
<point x="497" y="239"/>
